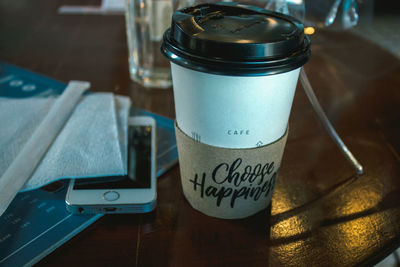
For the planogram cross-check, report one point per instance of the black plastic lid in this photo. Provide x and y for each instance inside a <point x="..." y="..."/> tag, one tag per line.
<point x="235" y="39"/>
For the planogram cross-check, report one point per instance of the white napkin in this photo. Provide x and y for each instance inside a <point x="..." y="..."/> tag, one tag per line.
<point x="91" y="144"/>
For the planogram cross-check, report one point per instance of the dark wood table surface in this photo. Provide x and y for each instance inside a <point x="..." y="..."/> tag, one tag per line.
<point x="321" y="213"/>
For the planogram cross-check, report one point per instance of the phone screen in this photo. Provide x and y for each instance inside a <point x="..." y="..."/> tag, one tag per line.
<point x="139" y="164"/>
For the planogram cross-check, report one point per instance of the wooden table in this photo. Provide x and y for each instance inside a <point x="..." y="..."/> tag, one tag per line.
<point x="321" y="213"/>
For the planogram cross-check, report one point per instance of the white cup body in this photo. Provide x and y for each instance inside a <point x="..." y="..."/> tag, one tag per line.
<point x="233" y="111"/>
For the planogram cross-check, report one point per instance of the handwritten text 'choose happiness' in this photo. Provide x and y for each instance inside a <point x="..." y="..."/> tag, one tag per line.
<point x="230" y="183"/>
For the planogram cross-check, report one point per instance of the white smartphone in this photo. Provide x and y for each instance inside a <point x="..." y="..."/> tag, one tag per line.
<point x="132" y="193"/>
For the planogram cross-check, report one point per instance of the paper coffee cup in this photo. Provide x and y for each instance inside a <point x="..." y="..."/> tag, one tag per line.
<point x="234" y="70"/>
<point x="228" y="183"/>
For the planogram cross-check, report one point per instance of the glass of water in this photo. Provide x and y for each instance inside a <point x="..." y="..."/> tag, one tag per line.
<point x="146" y="21"/>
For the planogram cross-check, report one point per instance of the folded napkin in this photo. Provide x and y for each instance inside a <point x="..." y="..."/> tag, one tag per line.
<point x="92" y="143"/>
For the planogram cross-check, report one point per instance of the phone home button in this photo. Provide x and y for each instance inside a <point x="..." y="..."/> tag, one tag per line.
<point x="110" y="195"/>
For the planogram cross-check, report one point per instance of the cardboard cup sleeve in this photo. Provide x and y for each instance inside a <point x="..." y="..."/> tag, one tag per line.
<point x="228" y="183"/>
